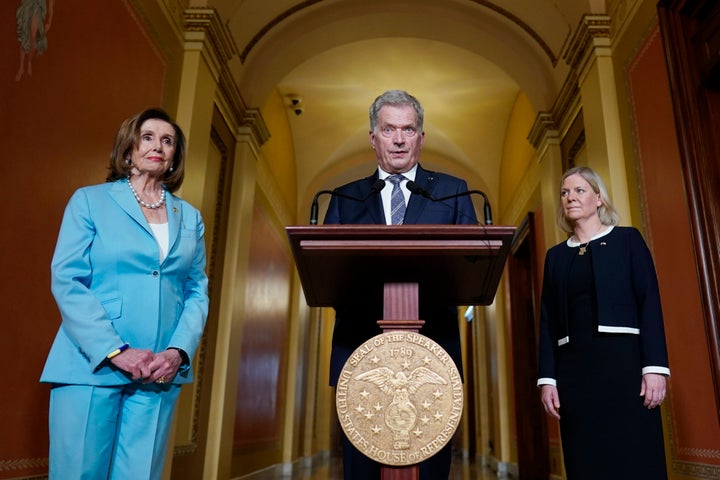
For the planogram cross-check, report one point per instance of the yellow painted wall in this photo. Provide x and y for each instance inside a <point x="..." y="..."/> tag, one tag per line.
<point x="278" y="151"/>
<point x="518" y="153"/>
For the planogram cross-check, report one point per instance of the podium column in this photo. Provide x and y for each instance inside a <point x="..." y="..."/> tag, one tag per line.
<point x="401" y="311"/>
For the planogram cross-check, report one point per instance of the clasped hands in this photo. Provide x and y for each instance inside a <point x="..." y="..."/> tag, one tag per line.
<point x="146" y="366"/>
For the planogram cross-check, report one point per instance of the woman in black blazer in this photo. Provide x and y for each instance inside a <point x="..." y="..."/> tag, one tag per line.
<point x="603" y="360"/>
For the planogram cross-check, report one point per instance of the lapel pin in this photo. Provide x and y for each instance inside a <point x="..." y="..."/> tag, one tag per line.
<point x="603" y="243"/>
<point x="175" y="210"/>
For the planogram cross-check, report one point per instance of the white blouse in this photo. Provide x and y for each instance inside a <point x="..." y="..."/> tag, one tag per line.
<point x="160" y="230"/>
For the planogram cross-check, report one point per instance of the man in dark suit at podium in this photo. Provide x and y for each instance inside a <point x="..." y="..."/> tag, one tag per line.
<point x="396" y="136"/>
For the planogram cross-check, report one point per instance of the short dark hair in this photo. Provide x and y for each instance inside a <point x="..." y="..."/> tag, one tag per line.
<point x="128" y="137"/>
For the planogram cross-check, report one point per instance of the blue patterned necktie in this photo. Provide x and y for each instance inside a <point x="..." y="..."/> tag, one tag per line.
<point x="397" y="200"/>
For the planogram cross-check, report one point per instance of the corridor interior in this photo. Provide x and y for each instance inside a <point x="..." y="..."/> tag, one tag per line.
<point x="330" y="468"/>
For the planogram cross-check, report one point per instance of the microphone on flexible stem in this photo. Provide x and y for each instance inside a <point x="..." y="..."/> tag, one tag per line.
<point x="376" y="187"/>
<point x="417" y="189"/>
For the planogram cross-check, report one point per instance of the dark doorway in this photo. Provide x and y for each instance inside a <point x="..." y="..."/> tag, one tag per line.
<point x="530" y="424"/>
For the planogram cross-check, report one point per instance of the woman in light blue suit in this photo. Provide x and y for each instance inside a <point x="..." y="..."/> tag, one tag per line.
<point x="128" y="275"/>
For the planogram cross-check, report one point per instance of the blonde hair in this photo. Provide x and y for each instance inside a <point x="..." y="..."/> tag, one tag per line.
<point x="606" y="212"/>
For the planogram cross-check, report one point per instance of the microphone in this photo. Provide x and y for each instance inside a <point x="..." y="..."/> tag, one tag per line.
<point x="375" y="188"/>
<point x="417" y="189"/>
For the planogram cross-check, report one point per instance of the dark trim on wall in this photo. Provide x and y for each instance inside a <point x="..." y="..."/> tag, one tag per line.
<point x="573" y="141"/>
<point x="694" y="75"/>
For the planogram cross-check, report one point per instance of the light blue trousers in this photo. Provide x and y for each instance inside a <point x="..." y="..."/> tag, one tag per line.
<point x="114" y="433"/>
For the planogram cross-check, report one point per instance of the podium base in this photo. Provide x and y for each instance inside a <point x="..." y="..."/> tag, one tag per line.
<point x="400" y="473"/>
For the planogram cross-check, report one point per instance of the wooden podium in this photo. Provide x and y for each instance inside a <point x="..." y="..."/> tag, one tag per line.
<point x="447" y="264"/>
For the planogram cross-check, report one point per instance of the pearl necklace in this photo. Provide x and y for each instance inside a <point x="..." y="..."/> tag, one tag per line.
<point x="155" y="205"/>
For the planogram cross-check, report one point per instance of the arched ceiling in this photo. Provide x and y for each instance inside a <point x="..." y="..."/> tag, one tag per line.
<point x="465" y="60"/>
<point x="467" y="102"/>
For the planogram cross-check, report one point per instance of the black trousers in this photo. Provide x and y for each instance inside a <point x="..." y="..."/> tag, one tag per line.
<point x="357" y="466"/>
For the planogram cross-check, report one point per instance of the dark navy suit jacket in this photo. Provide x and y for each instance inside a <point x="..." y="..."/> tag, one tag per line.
<point x="628" y="298"/>
<point x="354" y="324"/>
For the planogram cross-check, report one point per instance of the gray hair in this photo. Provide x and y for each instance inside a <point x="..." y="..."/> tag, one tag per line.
<point x="396" y="98"/>
<point x="606" y="212"/>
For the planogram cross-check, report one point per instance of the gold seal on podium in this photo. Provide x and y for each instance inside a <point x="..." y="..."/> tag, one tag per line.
<point x="399" y="398"/>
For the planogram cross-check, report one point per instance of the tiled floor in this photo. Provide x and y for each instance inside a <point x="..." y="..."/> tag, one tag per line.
<point x="331" y="469"/>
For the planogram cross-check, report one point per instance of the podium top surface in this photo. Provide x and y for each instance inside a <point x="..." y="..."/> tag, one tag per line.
<point x="454" y="264"/>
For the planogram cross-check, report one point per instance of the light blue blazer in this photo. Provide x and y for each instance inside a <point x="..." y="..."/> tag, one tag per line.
<point x="112" y="289"/>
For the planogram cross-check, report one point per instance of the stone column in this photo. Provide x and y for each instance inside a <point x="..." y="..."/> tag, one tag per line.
<point x="590" y="55"/>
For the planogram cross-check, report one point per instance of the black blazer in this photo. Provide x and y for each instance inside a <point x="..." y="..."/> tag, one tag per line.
<point x="355" y="324"/>
<point x="628" y="298"/>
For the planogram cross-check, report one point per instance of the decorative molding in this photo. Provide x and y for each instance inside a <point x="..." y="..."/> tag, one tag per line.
<point x="233" y="105"/>
<point x="696" y="470"/>
<point x="700" y="453"/>
<point x="213" y="280"/>
<point x="577" y="145"/>
<point x="23" y="464"/>
<point x="573" y="141"/>
<point x="568" y="103"/>
<point x="252" y="119"/>
<point x="554" y="124"/>
<point x="592" y="33"/>
<point x="204" y="31"/>
<point x="543" y="127"/>
<point x="206" y="20"/>
<point x="693" y="469"/>
<point x="188" y="448"/>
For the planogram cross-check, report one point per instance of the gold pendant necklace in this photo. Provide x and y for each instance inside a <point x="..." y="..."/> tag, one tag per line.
<point x="584" y="246"/>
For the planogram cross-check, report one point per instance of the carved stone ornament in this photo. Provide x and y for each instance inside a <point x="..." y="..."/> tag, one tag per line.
<point x="399" y="398"/>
